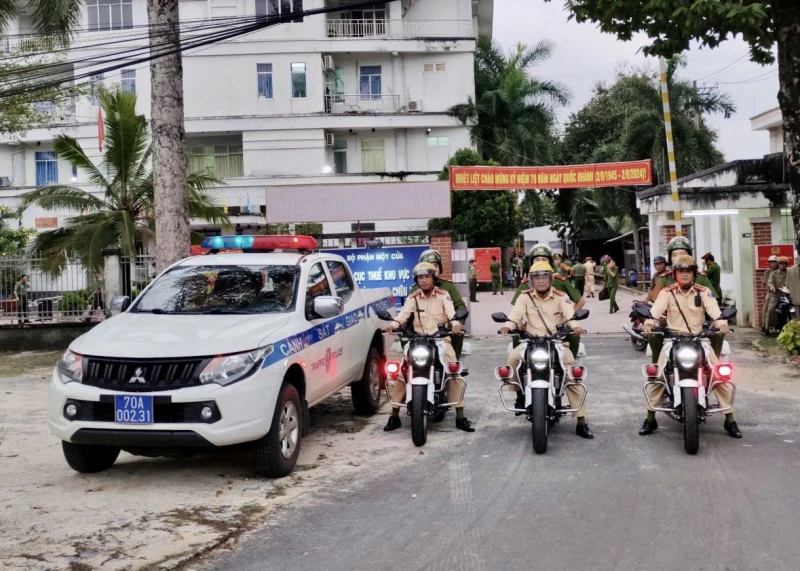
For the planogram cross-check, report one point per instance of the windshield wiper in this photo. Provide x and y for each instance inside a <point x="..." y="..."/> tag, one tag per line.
<point x="225" y="311"/>
<point x="156" y="311"/>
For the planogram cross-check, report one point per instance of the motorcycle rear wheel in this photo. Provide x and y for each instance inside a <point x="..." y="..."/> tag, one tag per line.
<point x="419" y="414"/>
<point x="539" y="420"/>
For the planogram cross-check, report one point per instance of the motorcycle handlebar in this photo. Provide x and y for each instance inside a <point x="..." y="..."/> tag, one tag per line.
<point x="561" y="334"/>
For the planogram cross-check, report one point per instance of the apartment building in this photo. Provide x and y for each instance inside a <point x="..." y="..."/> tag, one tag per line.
<point x="347" y="97"/>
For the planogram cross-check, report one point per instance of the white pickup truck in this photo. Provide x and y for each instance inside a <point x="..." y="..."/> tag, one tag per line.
<point x="221" y="349"/>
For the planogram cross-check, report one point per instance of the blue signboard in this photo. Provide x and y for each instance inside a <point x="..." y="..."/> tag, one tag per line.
<point x="384" y="267"/>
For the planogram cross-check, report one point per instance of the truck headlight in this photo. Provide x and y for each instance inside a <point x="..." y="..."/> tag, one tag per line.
<point x="420" y="355"/>
<point x="70" y="367"/>
<point x="540" y="359"/>
<point x="687" y="357"/>
<point x="227" y="369"/>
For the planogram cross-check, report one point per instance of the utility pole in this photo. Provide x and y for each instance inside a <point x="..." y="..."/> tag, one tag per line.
<point x="673" y="175"/>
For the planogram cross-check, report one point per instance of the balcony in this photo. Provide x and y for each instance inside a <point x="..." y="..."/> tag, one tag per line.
<point x="29" y="44"/>
<point x="400" y="29"/>
<point x="356" y="104"/>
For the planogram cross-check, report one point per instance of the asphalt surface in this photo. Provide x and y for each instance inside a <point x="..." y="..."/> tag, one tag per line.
<point x="621" y="501"/>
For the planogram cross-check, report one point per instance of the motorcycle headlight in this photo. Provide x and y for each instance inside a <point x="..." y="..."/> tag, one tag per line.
<point x="227" y="369"/>
<point x="687" y="357"/>
<point x="540" y="359"/>
<point x="70" y="367"/>
<point x="420" y="355"/>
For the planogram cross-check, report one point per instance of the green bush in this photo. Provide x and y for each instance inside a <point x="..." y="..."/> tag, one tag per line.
<point x="790" y="337"/>
<point x="74" y="301"/>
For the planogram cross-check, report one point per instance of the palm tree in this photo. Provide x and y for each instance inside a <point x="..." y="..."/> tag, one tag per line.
<point x="512" y="117"/>
<point x="54" y="18"/>
<point x="124" y="216"/>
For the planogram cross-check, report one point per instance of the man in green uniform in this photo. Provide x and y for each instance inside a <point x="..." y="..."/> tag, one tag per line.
<point x="680" y="246"/>
<point x="579" y="271"/>
<point x="777" y="280"/>
<point x="765" y="316"/>
<point x="519" y="269"/>
<point x="542" y="253"/>
<point x="473" y="282"/>
<point x="495" y="268"/>
<point x="713" y="274"/>
<point x="435" y="258"/>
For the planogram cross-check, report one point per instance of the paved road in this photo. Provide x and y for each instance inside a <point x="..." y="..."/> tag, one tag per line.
<point x="621" y="501"/>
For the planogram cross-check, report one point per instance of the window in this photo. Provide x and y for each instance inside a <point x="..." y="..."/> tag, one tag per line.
<point x="438" y="141"/>
<point x="44" y="107"/>
<point x="340" y="156"/>
<point x="46" y="168"/>
<point x="369" y="22"/>
<point x="369" y="82"/>
<point x="334" y="87"/>
<point x="317" y="285"/>
<point x="74" y="173"/>
<point x="362" y="227"/>
<point x="433" y="67"/>
<point x="726" y="244"/>
<point x="264" y="72"/>
<point x="342" y="280"/>
<point x="97" y="85"/>
<point x="129" y="81"/>
<point x="298" y="80"/>
<point x="372" y="156"/>
<point x="109" y="14"/>
<point x="224" y="161"/>
<point x="277" y="7"/>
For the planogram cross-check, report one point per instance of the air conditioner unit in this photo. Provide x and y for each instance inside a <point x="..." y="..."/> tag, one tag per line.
<point x="327" y="63"/>
<point x="329" y="139"/>
<point x="5" y="182"/>
<point x="415" y="106"/>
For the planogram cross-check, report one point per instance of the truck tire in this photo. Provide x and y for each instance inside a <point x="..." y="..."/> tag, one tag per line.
<point x="691" y="422"/>
<point x="275" y="454"/>
<point x="419" y="414"/>
<point x="89" y="458"/>
<point x="366" y="393"/>
<point x="539" y="420"/>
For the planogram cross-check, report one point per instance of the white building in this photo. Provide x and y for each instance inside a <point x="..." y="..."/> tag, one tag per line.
<point x="772" y="122"/>
<point x="350" y="96"/>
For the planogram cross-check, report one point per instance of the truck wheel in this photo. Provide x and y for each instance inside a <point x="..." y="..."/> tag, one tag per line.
<point x="366" y="393"/>
<point x="89" y="458"/>
<point x="276" y="453"/>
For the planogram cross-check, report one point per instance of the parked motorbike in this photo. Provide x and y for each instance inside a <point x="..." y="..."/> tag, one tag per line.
<point x="635" y="328"/>
<point x="544" y="379"/>
<point x="689" y="378"/>
<point x="425" y="375"/>
<point x="785" y="309"/>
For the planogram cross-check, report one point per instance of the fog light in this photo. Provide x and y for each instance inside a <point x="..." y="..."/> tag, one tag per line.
<point x="206" y="413"/>
<point x="71" y="410"/>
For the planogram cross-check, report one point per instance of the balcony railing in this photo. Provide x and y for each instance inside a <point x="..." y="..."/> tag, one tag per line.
<point x="399" y="29"/>
<point x="29" y="44"/>
<point x="362" y="103"/>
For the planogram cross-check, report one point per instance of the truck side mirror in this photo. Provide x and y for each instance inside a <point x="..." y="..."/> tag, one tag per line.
<point x="119" y="304"/>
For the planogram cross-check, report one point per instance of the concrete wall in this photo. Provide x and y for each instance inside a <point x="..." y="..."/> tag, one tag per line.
<point x="54" y="337"/>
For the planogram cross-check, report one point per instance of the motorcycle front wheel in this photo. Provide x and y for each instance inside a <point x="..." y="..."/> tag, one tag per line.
<point x="691" y="421"/>
<point x="419" y="414"/>
<point x="539" y="420"/>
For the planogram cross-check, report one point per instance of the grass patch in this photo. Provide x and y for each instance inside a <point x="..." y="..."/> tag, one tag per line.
<point x="354" y="426"/>
<point x="276" y="492"/>
<point x="16" y="364"/>
<point x="252" y="509"/>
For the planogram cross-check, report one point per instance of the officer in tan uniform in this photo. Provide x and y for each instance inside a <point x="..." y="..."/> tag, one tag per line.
<point x="656" y="283"/>
<point x="429" y="306"/>
<point x="554" y="309"/>
<point x="765" y="316"/>
<point x="776" y="281"/>
<point x="677" y="298"/>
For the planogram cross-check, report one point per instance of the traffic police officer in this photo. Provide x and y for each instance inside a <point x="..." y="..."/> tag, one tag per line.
<point x="656" y="285"/>
<point x="429" y="306"/>
<point x="776" y="281"/>
<point x="543" y="309"/>
<point x="677" y="298"/>
<point x="435" y="258"/>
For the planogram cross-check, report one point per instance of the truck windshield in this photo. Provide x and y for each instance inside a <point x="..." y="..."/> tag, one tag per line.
<point x="221" y="289"/>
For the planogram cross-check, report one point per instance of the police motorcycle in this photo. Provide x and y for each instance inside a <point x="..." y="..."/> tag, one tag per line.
<point x="544" y="379"/>
<point x="689" y="378"/>
<point x="425" y="375"/>
<point x="635" y="328"/>
<point x="785" y="310"/>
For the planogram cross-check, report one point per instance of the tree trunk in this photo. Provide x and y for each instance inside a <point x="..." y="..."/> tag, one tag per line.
<point x="787" y="25"/>
<point x="169" y="154"/>
<point x="637" y="260"/>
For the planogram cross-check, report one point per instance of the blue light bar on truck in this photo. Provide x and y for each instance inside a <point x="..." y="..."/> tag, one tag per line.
<point x="245" y="243"/>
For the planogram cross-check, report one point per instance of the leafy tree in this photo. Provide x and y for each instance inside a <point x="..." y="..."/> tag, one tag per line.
<point x="512" y="116"/>
<point x="481" y="217"/>
<point x="12" y="241"/>
<point x="55" y="19"/>
<point x="671" y="26"/>
<point x="124" y="216"/>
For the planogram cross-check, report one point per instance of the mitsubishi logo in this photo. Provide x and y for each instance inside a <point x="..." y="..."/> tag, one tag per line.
<point x="137" y="377"/>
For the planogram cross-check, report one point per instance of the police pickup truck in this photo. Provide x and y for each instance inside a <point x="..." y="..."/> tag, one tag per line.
<point x="221" y="349"/>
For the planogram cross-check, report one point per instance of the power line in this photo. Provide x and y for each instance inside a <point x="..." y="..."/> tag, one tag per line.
<point x="763" y="77"/>
<point x="724" y="68"/>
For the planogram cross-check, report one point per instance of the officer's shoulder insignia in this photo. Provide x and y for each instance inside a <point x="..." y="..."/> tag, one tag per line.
<point x="700" y="288"/>
<point x="559" y="292"/>
<point x="416" y="293"/>
<point x="559" y="277"/>
<point x="672" y="287"/>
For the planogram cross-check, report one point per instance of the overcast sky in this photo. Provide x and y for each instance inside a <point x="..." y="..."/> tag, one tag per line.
<point x="584" y="56"/>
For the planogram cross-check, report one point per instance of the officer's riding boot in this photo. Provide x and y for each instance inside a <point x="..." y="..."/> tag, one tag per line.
<point x="582" y="429"/>
<point x="731" y="427"/>
<point x="650" y="425"/>
<point x="394" y="421"/>
<point x="461" y="421"/>
<point x="520" y="403"/>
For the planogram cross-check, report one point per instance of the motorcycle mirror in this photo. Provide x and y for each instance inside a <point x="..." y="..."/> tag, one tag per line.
<point x="728" y="313"/>
<point x="581" y="314"/>
<point x="384" y="315"/>
<point x="643" y="311"/>
<point x="461" y="314"/>
<point x="499" y="317"/>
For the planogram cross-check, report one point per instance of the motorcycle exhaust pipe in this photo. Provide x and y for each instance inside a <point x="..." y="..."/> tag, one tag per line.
<point x="633" y="333"/>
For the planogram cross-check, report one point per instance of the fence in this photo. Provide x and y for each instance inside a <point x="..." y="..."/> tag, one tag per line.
<point x="136" y="274"/>
<point x="73" y="295"/>
<point x="388" y="28"/>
